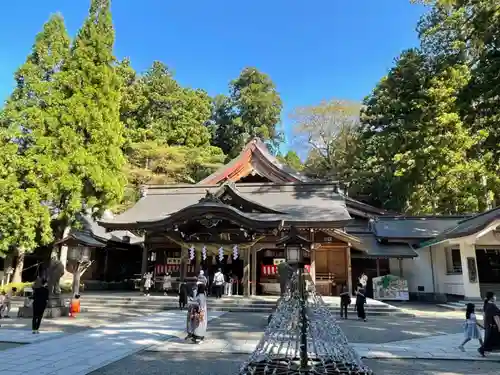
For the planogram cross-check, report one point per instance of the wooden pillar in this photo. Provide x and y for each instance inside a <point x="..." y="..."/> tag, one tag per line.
<point x="144" y="264"/>
<point x="313" y="258"/>
<point x="349" y="269"/>
<point x="197" y="253"/>
<point x="400" y="261"/>
<point x="254" y="271"/>
<point x="313" y="263"/>
<point x="377" y="262"/>
<point x="246" y="273"/>
<point x="183" y="268"/>
<point x="106" y="264"/>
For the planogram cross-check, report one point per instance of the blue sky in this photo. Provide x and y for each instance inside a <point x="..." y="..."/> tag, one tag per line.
<point x="313" y="50"/>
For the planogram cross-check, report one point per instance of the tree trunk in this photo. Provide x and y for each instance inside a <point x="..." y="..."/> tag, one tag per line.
<point x="8" y="264"/>
<point x="63" y="255"/>
<point x="76" y="280"/>
<point x="18" y="270"/>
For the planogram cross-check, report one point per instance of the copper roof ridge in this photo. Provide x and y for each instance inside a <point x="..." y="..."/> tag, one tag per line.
<point x="479" y="215"/>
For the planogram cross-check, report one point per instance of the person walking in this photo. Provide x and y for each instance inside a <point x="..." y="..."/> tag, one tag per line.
<point x="7" y="302"/>
<point x="197" y="316"/>
<point x="219" y="283"/>
<point x="471" y="327"/>
<point x="40" y="299"/>
<point x="148" y="282"/>
<point x="360" y="304"/>
<point x="345" y="301"/>
<point x="228" y="286"/>
<point x="167" y="283"/>
<point x="201" y="279"/>
<point x="491" y="325"/>
<point x="183" y="295"/>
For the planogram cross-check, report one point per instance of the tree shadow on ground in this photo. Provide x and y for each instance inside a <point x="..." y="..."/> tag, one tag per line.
<point x="431" y="367"/>
<point x="178" y="363"/>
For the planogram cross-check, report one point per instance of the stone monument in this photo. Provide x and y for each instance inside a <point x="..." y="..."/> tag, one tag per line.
<point x="56" y="305"/>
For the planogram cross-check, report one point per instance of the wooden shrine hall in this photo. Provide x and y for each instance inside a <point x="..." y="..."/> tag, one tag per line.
<point x="234" y="217"/>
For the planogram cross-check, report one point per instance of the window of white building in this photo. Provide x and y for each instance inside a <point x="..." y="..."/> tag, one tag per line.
<point x="453" y="262"/>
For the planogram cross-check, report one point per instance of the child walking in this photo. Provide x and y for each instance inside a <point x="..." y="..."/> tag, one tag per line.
<point x="471" y="330"/>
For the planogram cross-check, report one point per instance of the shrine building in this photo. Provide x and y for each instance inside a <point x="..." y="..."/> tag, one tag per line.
<point x="234" y="217"/>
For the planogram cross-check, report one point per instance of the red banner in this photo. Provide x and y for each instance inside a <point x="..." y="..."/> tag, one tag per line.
<point x="273" y="270"/>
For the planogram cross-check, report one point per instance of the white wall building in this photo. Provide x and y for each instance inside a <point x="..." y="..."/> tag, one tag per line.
<point x="463" y="261"/>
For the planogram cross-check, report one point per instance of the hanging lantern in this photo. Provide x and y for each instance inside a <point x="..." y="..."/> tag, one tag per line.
<point x="214" y="261"/>
<point x="235" y="252"/>
<point x="191" y="253"/>
<point x="204" y="252"/>
<point x="229" y="260"/>
<point x="221" y="254"/>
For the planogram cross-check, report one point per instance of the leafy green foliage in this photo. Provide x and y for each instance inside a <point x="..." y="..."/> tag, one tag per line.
<point x="154" y="163"/>
<point x="156" y="107"/>
<point x="26" y="222"/>
<point x="253" y="109"/>
<point x="292" y="160"/>
<point x="80" y="143"/>
<point x="329" y="131"/>
<point x="428" y="141"/>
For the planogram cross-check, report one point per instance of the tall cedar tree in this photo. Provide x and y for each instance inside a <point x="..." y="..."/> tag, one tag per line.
<point x="25" y="223"/>
<point x="81" y="145"/>
<point x="253" y="109"/>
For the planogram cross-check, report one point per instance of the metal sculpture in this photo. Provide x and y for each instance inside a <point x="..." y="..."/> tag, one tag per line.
<point x="303" y="338"/>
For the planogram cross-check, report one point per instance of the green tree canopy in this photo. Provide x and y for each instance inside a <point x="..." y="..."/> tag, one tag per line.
<point x="253" y="109"/>
<point x="80" y="143"/>
<point x="156" y="107"/>
<point x="25" y="222"/>
<point x="292" y="160"/>
<point x="327" y="132"/>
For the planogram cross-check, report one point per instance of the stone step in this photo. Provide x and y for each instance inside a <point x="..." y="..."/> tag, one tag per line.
<point x="462" y="305"/>
<point x="453" y="306"/>
<point x="110" y="309"/>
<point x="216" y="303"/>
<point x="153" y="300"/>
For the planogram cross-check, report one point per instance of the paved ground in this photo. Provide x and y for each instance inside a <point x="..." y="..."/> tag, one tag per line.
<point x="220" y="364"/>
<point x="432" y="367"/>
<point x="230" y="340"/>
<point x="387" y="329"/>
<point x="83" y="352"/>
<point x="232" y="337"/>
<point x="82" y="322"/>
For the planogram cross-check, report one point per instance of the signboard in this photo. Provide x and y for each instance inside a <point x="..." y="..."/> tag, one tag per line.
<point x="273" y="270"/>
<point x="471" y="267"/>
<point x="390" y="288"/>
<point x="173" y="265"/>
<point x="278" y="261"/>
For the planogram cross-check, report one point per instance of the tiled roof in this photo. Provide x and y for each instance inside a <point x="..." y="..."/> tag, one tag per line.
<point x="376" y="249"/>
<point x="419" y="228"/>
<point x="466" y="227"/>
<point x="305" y="202"/>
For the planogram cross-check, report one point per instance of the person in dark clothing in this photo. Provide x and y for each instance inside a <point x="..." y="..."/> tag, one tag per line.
<point x="40" y="299"/>
<point x="491" y="325"/>
<point x="360" y="304"/>
<point x="345" y="301"/>
<point x="183" y="295"/>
